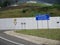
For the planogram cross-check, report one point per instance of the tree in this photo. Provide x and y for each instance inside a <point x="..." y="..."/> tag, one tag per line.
<point x="1" y="4"/>
<point x="6" y="3"/>
<point x="16" y="1"/>
<point x="57" y="4"/>
<point x="57" y="1"/>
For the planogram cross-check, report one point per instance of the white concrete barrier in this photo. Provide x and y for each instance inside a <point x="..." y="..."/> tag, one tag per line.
<point x="29" y="23"/>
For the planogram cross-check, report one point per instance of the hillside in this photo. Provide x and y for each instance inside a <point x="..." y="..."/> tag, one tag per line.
<point x="46" y="1"/>
<point x="28" y="11"/>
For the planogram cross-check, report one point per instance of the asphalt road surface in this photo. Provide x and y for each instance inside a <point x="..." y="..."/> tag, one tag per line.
<point x="10" y="40"/>
<point x="3" y="42"/>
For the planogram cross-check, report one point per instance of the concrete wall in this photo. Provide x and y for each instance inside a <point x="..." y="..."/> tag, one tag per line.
<point x="29" y="23"/>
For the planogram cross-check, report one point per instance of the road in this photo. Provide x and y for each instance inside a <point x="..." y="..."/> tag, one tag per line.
<point x="3" y="42"/>
<point x="10" y="40"/>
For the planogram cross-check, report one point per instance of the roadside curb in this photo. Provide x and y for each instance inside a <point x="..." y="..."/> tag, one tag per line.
<point x="33" y="39"/>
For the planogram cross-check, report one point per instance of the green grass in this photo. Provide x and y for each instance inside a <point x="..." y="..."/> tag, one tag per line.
<point x="17" y="13"/>
<point x="10" y="13"/>
<point x="30" y="12"/>
<point x="50" y="34"/>
<point x="38" y="4"/>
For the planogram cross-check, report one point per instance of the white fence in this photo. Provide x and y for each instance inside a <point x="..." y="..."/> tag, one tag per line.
<point x="29" y="23"/>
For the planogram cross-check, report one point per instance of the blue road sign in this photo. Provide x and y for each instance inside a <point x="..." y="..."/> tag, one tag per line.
<point x="42" y="17"/>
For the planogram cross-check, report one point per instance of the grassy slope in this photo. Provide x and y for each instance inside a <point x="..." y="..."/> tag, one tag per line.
<point x="31" y="12"/>
<point x="51" y="34"/>
<point x="38" y="4"/>
<point x="15" y="13"/>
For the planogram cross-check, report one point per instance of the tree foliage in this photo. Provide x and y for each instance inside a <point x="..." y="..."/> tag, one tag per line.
<point x="57" y="1"/>
<point x="5" y="3"/>
<point x="57" y="4"/>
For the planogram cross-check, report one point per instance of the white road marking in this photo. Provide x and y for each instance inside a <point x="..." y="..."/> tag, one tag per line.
<point x="10" y="41"/>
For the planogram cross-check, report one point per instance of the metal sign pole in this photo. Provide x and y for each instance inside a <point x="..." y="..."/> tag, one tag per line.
<point x="22" y="26"/>
<point x="25" y="26"/>
<point x="42" y="23"/>
<point x="47" y="24"/>
<point x="42" y="17"/>
<point x="15" y="22"/>
<point x="37" y="24"/>
<point x="57" y="24"/>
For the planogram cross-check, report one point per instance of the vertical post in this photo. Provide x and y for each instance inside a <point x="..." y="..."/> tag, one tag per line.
<point x="42" y="23"/>
<point x="24" y="25"/>
<point x="48" y="24"/>
<point x="15" y="22"/>
<point x="57" y="24"/>
<point x="37" y="24"/>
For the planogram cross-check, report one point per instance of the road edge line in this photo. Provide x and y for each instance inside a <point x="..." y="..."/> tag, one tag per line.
<point x="10" y="41"/>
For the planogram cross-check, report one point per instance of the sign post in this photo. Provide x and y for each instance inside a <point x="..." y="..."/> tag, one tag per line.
<point x="42" y="17"/>
<point x="58" y="24"/>
<point x="15" y="21"/>
<point x="37" y="24"/>
<point x="23" y="25"/>
<point x="48" y="24"/>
